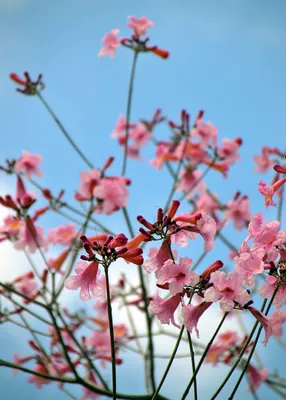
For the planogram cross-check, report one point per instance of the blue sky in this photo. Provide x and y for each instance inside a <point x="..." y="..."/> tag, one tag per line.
<point x="226" y="57"/>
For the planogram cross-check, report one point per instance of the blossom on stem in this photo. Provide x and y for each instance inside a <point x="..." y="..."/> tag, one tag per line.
<point x="110" y="44"/>
<point x="256" y="377"/>
<point x="28" y="164"/>
<point x="86" y="279"/>
<point x="238" y="211"/>
<point x="140" y="25"/>
<point x="30" y="236"/>
<point x="157" y="257"/>
<point x="177" y="275"/>
<point x="63" y="234"/>
<point x="191" y="315"/>
<point x="228" y="150"/>
<point x="227" y="289"/>
<point x="266" y="290"/>
<point x="269" y="191"/>
<point x="164" y="309"/>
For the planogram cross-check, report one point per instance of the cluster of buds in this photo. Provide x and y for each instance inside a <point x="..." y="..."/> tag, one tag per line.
<point x="108" y="249"/>
<point x="29" y="87"/>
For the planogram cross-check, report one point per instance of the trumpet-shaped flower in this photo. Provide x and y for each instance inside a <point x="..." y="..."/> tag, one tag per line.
<point x="110" y="44"/>
<point x="28" y="164"/>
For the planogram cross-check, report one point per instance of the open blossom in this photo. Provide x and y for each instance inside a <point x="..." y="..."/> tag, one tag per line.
<point x="177" y="275"/>
<point x="39" y="381"/>
<point x="157" y="257"/>
<point x="89" y="180"/>
<point x="164" y="309"/>
<point x="206" y="132"/>
<point x="113" y="192"/>
<point x="191" y="315"/>
<point x="224" y="342"/>
<point x="207" y="228"/>
<point x="110" y="44"/>
<point x="190" y="180"/>
<point x="27" y="285"/>
<point x="140" y="25"/>
<point x="266" y="236"/>
<point x="264" y="162"/>
<point x="266" y="290"/>
<point x="237" y="210"/>
<point x="140" y="135"/>
<point x="269" y="191"/>
<point x="30" y="236"/>
<point x="256" y="377"/>
<point x="249" y="262"/>
<point x="228" y="150"/>
<point x="272" y="325"/>
<point x="63" y="234"/>
<point x="85" y="279"/>
<point x="227" y="289"/>
<point x="28" y="164"/>
<point x="11" y="226"/>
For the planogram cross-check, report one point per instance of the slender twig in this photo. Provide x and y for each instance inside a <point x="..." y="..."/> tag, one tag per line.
<point x="203" y="356"/>
<point x="128" y="111"/>
<point x="193" y="364"/>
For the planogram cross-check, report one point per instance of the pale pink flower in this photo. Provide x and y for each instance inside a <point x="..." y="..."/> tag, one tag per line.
<point x="224" y="343"/>
<point x="182" y="237"/>
<point x="11" y="226"/>
<point x="272" y="325"/>
<point x="86" y="279"/>
<point x="207" y="228"/>
<point x="63" y="234"/>
<point x="30" y="236"/>
<point x="140" y="25"/>
<point x="227" y="289"/>
<point x="256" y="377"/>
<point x="89" y="180"/>
<point x="119" y="131"/>
<point x="228" y="150"/>
<point x="190" y="180"/>
<point x="238" y="212"/>
<point x="113" y="192"/>
<point x="266" y="290"/>
<point x="157" y="257"/>
<point x="191" y="315"/>
<point x="28" y="164"/>
<point x="249" y="262"/>
<point x="228" y="338"/>
<point x="269" y="191"/>
<point x="164" y="152"/>
<point x="164" y="309"/>
<point x="27" y="285"/>
<point x="207" y="203"/>
<point x="263" y="162"/>
<point x="177" y="275"/>
<point x="110" y="44"/>
<point x="39" y="381"/>
<point x="140" y="136"/>
<point x="100" y="341"/>
<point x="206" y="132"/>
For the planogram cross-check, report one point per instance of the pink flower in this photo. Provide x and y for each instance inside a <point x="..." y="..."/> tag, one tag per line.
<point x="89" y="180"/>
<point x="227" y="289"/>
<point x="11" y="226"/>
<point x="266" y="290"/>
<point x="86" y="279"/>
<point x="228" y="150"/>
<point x="263" y="162"/>
<point x="272" y="325"/>
<point x="207" y="203"/>
<point x="26" y="285"/>
<point x="113" y="192"/>
<point x="207" y="228"/>
<point x="206" y="132"/>
<point x="190" y="180"/>
<point x="249" y="262"/>
<point x="157" y="257"/>
<point x="28" y="164"/>
<point x="88" y="394"/>
<point x="164" y="309"/>
<point x="39" y="381"/>
<point x="256" y="377"/>
<point x="140" y="135"/>
<point x="238" y="212"/>
<point x="139" y="25"/>
<point x="100" y="341"/>
<point x="110" y="44"/>
<point x="269" y="191"/>
<point x="63" y="234"/>
<point x="191" y="315"/>
<point x="30" y="236"/>
<point x="177" y="275"/>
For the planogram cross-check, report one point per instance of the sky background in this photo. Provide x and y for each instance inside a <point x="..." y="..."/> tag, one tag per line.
<point x="226" y="57"/>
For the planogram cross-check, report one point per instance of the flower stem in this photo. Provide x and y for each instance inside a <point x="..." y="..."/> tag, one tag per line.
<point x="193" y="364"/>
<point x="111" y="332"/>
<point x="128" y="112"/>
<point x="185" y="394"/>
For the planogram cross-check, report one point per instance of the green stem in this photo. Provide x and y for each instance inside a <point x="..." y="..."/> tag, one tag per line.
<point x="193" y="364"/>
<point x="253" y="348"/>
<point x="185" y="394"/>
<point x="128" y="112"/>
<point x="64" y="131"/>
<point x="111" y="332"/>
